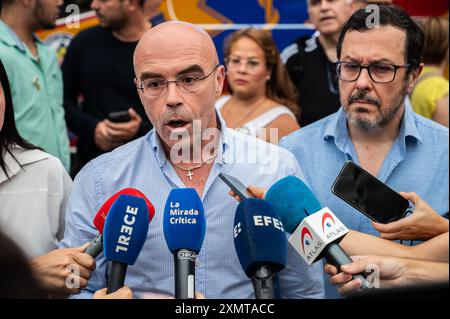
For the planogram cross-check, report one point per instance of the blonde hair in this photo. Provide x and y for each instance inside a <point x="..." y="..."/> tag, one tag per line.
<point x="436" y="40"/>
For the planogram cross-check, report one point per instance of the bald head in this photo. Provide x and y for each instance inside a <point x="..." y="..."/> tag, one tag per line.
<point x="171" y="41"/>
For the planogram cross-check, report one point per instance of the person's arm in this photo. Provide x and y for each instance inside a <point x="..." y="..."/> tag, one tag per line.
<point x="392" y="272"/>
<point x="423" y="224"/>
<point x="435" y="249"/>
<point x="81" y="209"/>
<point x="441" y="114"/>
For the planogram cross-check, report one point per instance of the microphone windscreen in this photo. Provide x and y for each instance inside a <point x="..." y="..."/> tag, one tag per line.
<point x="100" y="217"/>
<point x="293" y="201"/>
<point x="126" y="229"/>
<point x="184" y="220"/>
<point x="259" y="236"/>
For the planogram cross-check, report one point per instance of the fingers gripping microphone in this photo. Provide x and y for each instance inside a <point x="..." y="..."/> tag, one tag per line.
<point x="260" y="243"/>
<point x="96" y="246"/>
<point x="184" y="229"/>
<point x="316" y="232"/>
<point x="125" y="231"/>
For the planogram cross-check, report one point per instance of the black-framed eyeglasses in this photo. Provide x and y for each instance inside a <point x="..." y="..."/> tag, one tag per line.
<point x="379" y="72"/>
<point x="187" y="83"/>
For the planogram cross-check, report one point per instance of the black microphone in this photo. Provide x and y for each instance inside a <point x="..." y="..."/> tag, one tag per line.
<point x="260" y="243"/>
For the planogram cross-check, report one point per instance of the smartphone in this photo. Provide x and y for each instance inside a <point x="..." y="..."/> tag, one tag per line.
<point x="119" y="116"/>
<point x="236" y="185"/>
<point x="369" y="195"/>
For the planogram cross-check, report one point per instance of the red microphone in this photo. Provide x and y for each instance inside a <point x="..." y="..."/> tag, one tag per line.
<point x="96" y="246"/>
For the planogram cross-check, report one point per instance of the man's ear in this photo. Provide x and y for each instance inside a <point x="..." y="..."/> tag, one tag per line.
<point x="220" y="80"/>
<point x="414" y="76"/>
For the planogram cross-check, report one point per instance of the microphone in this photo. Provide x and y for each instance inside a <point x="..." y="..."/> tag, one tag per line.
<point x="184" y="229"/>
<point x="125" y="231"/>
<point x="316" y="232"/>
<point x="96" y="246"/>
<point x="260" y="243"/>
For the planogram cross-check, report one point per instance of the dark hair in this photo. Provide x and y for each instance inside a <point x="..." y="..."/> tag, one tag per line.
<point x="436" y="40"/>
<point x="279" y="88"/>
<point x="16" y="274"/>
<point x="9" y="136"/>
<point x="390" y="15"/>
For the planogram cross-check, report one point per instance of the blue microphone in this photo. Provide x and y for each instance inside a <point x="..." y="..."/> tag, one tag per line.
<point x="260" y="243"/>
<point x="184" y="229"/>
<point x="294" y="201"/>
<point x="124" y="234"/>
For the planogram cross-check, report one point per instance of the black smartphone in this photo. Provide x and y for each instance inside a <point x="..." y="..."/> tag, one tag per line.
<point x="119" y="116"/>
<point x="369" y="195"/>
<point x="236" y="185"/>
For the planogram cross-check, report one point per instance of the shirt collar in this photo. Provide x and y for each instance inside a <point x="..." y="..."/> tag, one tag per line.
<point x="9" y="37"/>
<point x="224" y="142"/>
<point x="21" y="157"/>
<point x="337" y="128"/>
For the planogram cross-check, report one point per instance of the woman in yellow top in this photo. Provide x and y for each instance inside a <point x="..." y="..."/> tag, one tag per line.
<point x="430" y="95"/>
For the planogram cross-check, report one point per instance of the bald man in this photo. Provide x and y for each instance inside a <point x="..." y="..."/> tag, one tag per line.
<point x="178" y="78"/>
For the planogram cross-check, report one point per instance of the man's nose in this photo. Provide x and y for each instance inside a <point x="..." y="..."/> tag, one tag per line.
<point x="173" y="95"/>
<point x="364" y="81"/>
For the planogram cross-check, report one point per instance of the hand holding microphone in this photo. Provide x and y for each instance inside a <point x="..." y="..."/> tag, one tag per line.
<point x="55" y="268"/>
<point x="316" y="232"/>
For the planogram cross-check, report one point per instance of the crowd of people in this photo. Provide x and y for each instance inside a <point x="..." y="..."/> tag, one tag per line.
<point x="376" y="96"/>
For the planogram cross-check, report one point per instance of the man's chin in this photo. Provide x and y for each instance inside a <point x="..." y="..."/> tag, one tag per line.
<point x="363" y="121"/>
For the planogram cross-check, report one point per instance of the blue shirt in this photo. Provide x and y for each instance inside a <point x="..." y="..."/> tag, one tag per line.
<point x="417" y="162"/>
<point x="142" y="164"/>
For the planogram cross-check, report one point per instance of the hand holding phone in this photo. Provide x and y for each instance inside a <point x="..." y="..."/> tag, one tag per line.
<point x="236" y="186"/>
<point x="369" y="195"/>
<point x="119" y="116"/>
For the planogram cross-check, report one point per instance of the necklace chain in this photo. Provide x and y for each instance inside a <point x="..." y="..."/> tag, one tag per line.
<point x="190" y="169"/>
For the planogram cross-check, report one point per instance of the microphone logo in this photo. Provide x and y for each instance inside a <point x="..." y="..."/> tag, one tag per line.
<point x="305" y="231"/>
<point x="328" y="219"/>
<point x="237" y="230"/>
<point x="187" y="255"/>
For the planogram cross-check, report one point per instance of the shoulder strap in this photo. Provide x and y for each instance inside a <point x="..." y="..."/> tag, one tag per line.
<point x="268" y="117"/>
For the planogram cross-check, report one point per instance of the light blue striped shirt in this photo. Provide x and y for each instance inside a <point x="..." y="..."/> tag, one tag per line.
<point x="142" y="164"/>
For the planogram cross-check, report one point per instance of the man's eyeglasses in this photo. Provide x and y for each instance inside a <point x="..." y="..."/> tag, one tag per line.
<point x="234" y="63"/>
<point x="378" y="72"/>
<point x="187" y="83"/>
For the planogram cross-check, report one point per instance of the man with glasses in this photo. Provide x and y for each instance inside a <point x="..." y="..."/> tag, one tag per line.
<point x="377" y="69"/>
<point x="178" y="78"/>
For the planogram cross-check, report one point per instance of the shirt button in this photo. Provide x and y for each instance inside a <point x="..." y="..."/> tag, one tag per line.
<point x="197" y="263"/>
